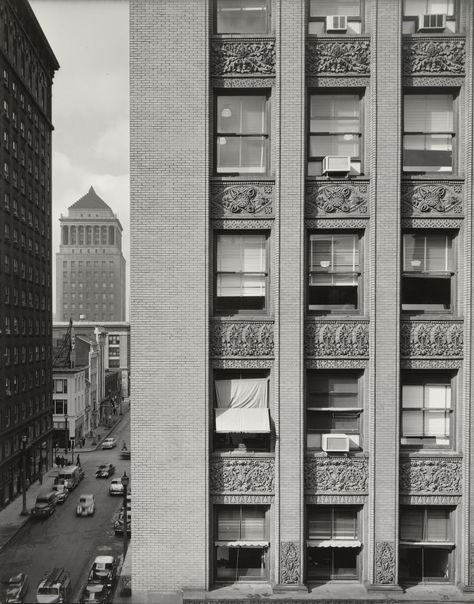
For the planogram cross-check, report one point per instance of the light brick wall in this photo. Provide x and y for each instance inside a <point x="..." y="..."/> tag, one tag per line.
<point x="169" y="293"/>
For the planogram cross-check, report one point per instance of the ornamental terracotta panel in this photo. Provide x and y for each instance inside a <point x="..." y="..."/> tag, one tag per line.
<point x="432" y="199"/>
<point x="242" y="475"/>
<point x="384" y="563"/>
<point x="444" y="56"/>
<point x="242" y="200"/>
<point x="336" y="474"/>
<point x="329" y="56"/>
<point x="242" y="57"/>
<point x="336" y="199"/>
<point x="337" y="339"/>
<point x="432" y="338"/>
<point x="290" y="566"/>
<point x="241" y="339"/>
<point x="432" y="475"/>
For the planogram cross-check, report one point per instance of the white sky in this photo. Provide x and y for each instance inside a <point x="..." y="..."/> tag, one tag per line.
<point x="90" y="107"/>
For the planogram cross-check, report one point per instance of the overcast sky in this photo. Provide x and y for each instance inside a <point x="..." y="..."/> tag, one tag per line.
<point x="90" y="106"/>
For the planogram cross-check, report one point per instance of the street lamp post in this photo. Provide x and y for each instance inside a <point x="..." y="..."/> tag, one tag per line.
<point x="66" y="429"/>
<point x="72" y="441"/>
<point x="24" y="440"/>
<point x="125" y="480"/>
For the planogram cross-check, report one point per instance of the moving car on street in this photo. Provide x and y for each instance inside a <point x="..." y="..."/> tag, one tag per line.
<point x="109" y="443"/>
<point x="14" y="589"/>
<point x="54" y="587"/>
<point x="96" y="593"/>
<point x="61" y="492"/>
<point x="45" y="505"/>
<point x="105" y="470"/>
<point x="100" y="582"/>
<point x="116" y="487"/>
<point x="86" y="505"/>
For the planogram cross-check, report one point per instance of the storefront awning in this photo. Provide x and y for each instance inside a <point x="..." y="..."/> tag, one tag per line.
<point x="334" y="543"/>
<point x="242" y="543"/>
<point x="242" y="421"/>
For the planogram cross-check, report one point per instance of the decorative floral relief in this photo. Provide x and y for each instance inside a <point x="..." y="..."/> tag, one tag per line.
<point x="434" y="56"/>
<point x="241" y="339"/>
<point x="336" y="223"/>
<point x="242" y="363"/>
<point x="430" y="475"/>
<point x="335" y="199"/>
<point x="431" y="338"/>
<point x="432" y="198"/>
<point x="240" y="499"/>
<point x="289" y="563"/>
<point x="336" y="474"/>
<point x="347" y="56"/>
<point x="336" y="363"/>
<point x="384" y="563"/>
<point x="241" y="82"/>
<point x="325" y="81"/>
<point x="336" y="338"/>
<point x="434" y="364"/>
<point x="242" y="475"/>
<point x="243" y="57"/>
<point x="245" y="199"/>
<point x="336" y="499"/>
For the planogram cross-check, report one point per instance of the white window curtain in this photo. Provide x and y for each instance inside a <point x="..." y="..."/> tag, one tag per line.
<point x="247" y="393"/>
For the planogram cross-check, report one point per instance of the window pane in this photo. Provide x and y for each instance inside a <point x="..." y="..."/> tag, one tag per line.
<point x="334" y="252"/>
<point x="436" y="563"/>
<point x="345" y="562"/>
<point x="241" y="16"/>
<point x="428" y="113"/>
<point x="322" y="145"/>
<point x="322" y="8"/>
<point x="427" y="153"/>
<point x="241" y="253"/>
<point x="412" y="423"/>
<point x="412" y="395"/>
<point x="241" y="114"/>
<point x="335" y="113"/>
<point x="241" y="155"/>
<point x="438" y="396"/>
<point x="428" y="7"/>
<point x="319" y="523"/>
<point x="327" y="390"/>
<point x="436" y="424"/>
<point x="426" y="293"/>
<point x="240" y="285"/>
<point x="345" y="524"/>
<point x="427" y="252"/>
<point x="228" y="524"/>
<point x="411" y="524"/>
<point x="437" y="524"/>
<point x="253" y="523"/>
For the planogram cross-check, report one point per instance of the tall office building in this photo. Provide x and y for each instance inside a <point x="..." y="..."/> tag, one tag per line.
<point x="27" y="66"/>
<point x="90" y="267"/>
<point x="302" y="300"/>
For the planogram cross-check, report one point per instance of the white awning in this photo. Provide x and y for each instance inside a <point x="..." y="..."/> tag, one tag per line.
<point x="240" y="420"/>
<point x="334" y="543"/>
<point x="242" y="543"/>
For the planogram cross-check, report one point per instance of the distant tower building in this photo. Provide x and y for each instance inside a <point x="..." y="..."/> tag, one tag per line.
<point x="90" y="267"/>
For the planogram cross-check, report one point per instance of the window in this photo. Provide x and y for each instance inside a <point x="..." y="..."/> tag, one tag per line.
<point x="333" y="406"/>
<point x="241" y="411"/>
<point x="241" y="272"/>
<point x="426" y="409"/>
<point x="334" y="130"/>
<point x="241" y="547"/>
<point x="60" y="407"/>
<point x="241" y="16"/>
<point x="333" y="543"/>
<point x="242" y="134"/>
<point x="60" y="386"/>
<point x="429" y="136"/>
<point x="414" y="20"/>
<point x="320" y="10"/>
<point x="428" y="272"/>
<point x="334" y="272"/>
<point x="426" y="544"/>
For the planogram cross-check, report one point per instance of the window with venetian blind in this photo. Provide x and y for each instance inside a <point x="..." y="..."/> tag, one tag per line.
<point x="334" y="272"/>
<point x="242" y="134"/>
<point x="429" y="133"/>
<point x="428" y="272"/>
<point x="426" y="409"/>
<point x="241" y="273"/>
<point x="242" y="16"/>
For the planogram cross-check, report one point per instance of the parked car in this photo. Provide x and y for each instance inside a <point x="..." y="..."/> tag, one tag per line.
<point x="14" y="589"/>
<point x="86" y="505"/>
<point x="125" y="454"/>
<point x="116" y="487"/>
<point x="96" y="593"/>
<point x="54" y="587"/>
<point x="61" y="492"/>
<point x="105" y="470"/>
<point x="109" y="443"/>
<point x="45" y="505"/>
<point x="103" y="570"/>
<point x="118" y="524"/>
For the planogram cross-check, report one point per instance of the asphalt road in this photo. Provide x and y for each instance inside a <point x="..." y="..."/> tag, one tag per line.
<point x="66" y="540"/>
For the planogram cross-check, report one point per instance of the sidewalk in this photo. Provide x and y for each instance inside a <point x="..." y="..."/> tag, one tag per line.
<point x="11" y="519"/>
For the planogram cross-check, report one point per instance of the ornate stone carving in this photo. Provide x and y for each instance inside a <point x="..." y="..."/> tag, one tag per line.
<point x="336" y="223"/>
<point x="241" y="339"/>
<point x="233" y="224"/>
<point x="384" y="563"/>
<point x="336" y="198"/>
<point x="242" y="475"/>
<point x="325" y="81"/>
<point x="434" y="56"/>
<point x="420" y="81"/>
<point x="336" y="363"/>
<point x="431" y="475"/>
<point x="241" y="499"/>
<point x="338" y="56"/>
<point x="471" y="564"/>
<point x="241" y="199"/>
<point x="336" y="474"/>
<point x="435" y="198"/>
<point x="431" y="338"/>
<point x="243" y="57"/>
<point x="430" y="499"/>
<point x="240" y="82"/>
<point x="336" y="339"/>
<point x="242" y="363"/>
<point x="431" y="363"/>
<point x="333" y="499"/>
<point x="289" y="563"/>
<point x="431" y="223"/>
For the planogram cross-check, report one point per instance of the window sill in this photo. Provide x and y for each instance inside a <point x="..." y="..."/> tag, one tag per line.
<point x="243" y="317"/>
<point x="320" y="453"/>
<point x="243" y="178"/>
<point x="348" y="177"/>
<point x="432" y="176"/>
<point x="429" y="315"/>
<point x="412" y="453"/>
<point x="248" y="453"/>
<point x="243" y="36"/>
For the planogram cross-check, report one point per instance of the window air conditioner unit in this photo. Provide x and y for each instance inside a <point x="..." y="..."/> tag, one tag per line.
<point x="335" y="443"/>
<point x="431" y="22"/>
<point x="335" y="164"/>
<point x="336" y="23"/>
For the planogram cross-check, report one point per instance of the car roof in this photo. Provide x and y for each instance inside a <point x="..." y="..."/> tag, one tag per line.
<point x="103" y="559"/>
<point x="86" y="496"/>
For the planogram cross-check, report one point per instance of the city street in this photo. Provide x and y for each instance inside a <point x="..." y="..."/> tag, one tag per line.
<point x="64" y="539"/>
